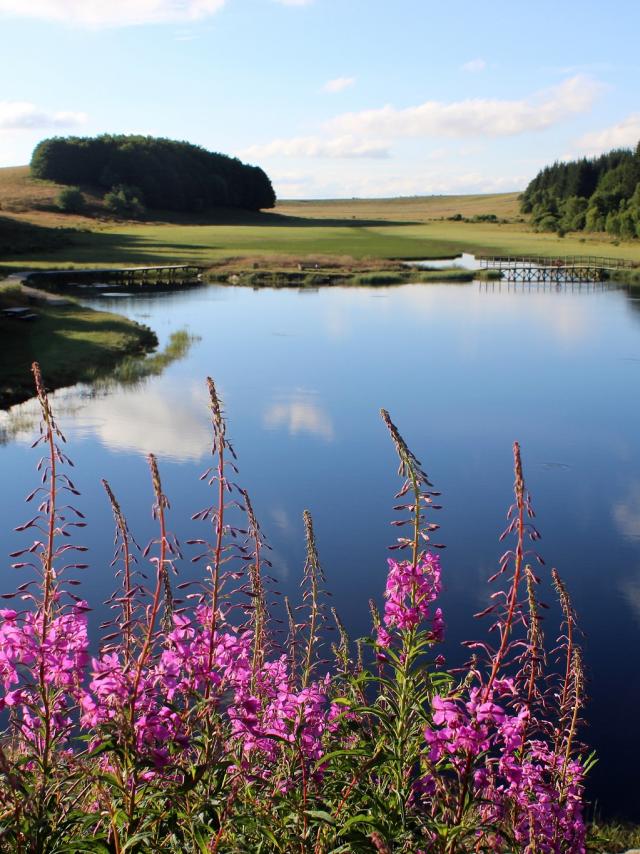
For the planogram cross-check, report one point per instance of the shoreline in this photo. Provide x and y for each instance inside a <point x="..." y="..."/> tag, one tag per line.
<point x="73" y="343"/>
<point x="330" y="277"/>
<point x="79" y="344"/>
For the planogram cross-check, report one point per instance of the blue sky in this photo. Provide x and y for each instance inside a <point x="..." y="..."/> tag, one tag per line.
<point x="334" y="98"/>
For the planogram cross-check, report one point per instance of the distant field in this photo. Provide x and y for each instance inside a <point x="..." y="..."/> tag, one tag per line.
<point x="403" y="228"/>
<point x="416" y="208"/>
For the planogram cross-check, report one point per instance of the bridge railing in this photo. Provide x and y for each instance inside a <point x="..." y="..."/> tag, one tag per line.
<point x="592" y="261"/>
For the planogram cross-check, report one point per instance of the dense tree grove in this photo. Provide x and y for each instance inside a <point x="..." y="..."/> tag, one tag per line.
<point x="597" y="194"/>
<point x="163" y="173"/>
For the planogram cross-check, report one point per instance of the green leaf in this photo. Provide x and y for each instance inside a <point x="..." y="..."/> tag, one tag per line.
<point x="353" y="751"/>
<point x="361" y="818"/>
<point x="321" y="815"/>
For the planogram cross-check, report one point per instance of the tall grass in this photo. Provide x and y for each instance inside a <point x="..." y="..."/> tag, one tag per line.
<point x="196" y="728"/>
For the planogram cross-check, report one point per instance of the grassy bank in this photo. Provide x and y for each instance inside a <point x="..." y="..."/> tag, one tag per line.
<point x="613" y="838"/>
<point x="283" y="278"/>
<point x="629" y="277"/>
<point x="403" y="228"/>
<point x="76" y="344"/>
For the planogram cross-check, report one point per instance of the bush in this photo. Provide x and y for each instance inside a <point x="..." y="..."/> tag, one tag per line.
<point x="124" y="200"/>
<point x="549" y="222"/>
<point x="70" y="200"/>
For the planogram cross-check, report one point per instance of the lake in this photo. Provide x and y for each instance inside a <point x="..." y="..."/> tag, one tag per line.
<point x="463" y="370"/>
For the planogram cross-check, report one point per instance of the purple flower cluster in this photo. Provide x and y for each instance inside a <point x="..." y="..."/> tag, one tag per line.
<point x="162" y="691"/>
<point x="411" y="589"/>
<point x="275" y="712"/>
<point x="511" y="775"/>
<point x="58" y="655"/>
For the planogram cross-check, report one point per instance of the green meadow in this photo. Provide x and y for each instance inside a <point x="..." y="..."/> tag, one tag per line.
<point x="76" y="343"/>
<point x="357" y="230"/>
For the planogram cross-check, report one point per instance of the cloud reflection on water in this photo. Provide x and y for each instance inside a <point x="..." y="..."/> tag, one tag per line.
<point x="626" y="513"/>
<point x="297" y="413"/>
<point x="166" y="420"/>
<point x="150" y="421"/>
<point x="630" y="589"/>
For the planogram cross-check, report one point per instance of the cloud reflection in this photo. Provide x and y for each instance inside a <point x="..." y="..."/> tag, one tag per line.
<point x="298" y="414"/>
<point x="150" y="421"/>
<point x="169" y="421"/>
<point x="626" y="513"/>
<point x="630" y="589"/>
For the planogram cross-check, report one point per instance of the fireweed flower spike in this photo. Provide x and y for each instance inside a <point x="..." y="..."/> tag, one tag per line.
<point x="518" y="782"/>
<point x="192" y="730"/>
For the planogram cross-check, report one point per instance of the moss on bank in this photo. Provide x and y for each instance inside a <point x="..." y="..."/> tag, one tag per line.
<point x="76" y="344"/>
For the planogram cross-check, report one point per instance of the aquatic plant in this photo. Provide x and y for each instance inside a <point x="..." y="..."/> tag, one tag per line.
<point x="193" y="727"/>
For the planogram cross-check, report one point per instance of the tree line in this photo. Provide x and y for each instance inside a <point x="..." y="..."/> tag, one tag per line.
<point x="136" y="172"/>
<point x="591" y="194"/>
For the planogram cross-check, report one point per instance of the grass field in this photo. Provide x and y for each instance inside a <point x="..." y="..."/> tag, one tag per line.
<point x="73" y="343"/>
<point x="407" y="228"/>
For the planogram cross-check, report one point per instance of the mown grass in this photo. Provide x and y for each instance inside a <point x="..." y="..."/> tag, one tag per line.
<point x="141" y="244"/>
<point x="359" y="230"/>
<point x="77" y="344"/>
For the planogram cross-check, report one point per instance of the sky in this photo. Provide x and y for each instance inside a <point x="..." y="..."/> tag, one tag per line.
<point x="333" y="98"/>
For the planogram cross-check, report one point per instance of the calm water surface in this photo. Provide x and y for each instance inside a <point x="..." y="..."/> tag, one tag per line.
<point x="464" y="370"/>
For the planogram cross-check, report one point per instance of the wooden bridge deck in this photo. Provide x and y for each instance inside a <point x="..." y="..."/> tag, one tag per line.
<point x="173" y="274"/>
<point x="574" y="268"/>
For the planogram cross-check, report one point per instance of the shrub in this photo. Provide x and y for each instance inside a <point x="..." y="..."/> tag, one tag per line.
<point x="70" y="200"/>
<point x="124" y="200"/>
<point x="484" y="218"/>
<point x="549" y="222"/>
<point x="193" y="729"/>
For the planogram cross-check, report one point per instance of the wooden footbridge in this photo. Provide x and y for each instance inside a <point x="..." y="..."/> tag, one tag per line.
<point x="570" y="269"/>
<point x="172" y="275"/>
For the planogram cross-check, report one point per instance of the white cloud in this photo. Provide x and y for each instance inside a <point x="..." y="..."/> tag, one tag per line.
<point x="473" y="117"/>
<point x="338" y="84"/>
<point x="314" y="146"/>
<point x="22" y="115"/>
<point x="622" y="135"/>
<point x="114" y="13"/>
<point x="294" y="2"/>
<point x="433" y="183"/>
<point x="369" y="133"/>
<point x="474" y="66"/>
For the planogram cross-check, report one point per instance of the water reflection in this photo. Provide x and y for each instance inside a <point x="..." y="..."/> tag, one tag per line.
<point x="630" y="589"/>
<point x="299" y="413"/>
<point x="149" y="420"/>
<point x="626" y="513"/>
<point x="464" y="370"/>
